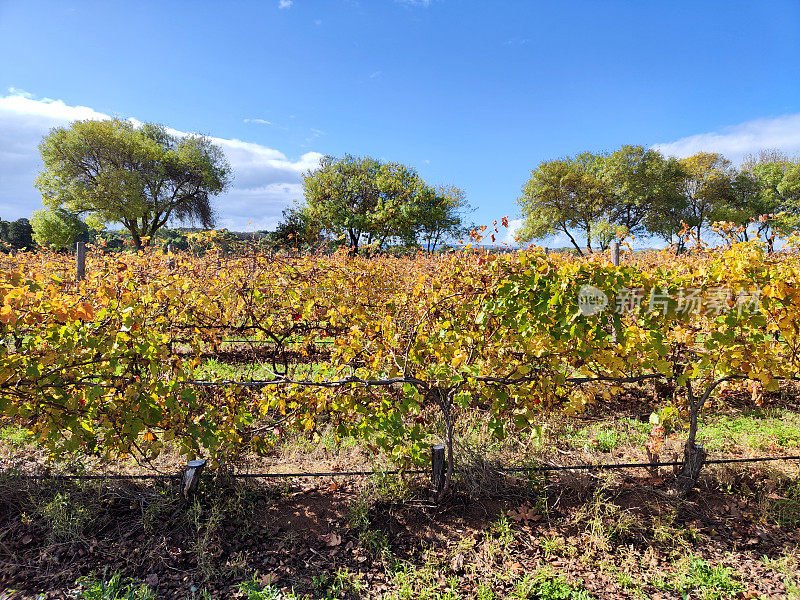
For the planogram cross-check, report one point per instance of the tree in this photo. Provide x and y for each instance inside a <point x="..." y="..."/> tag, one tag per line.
<point x="363" y="199"/>
<point x="757" y="198"/>
<point x="298" y="230"/>
<point x="18" y="234"/>
<point x="142" y="177"/>
<point x="561" y="196"/>
<point x="439" y="215"/>
<point x="57" y="229"/>
<point x="639" y="180"/>
<point x="707" y="188"/>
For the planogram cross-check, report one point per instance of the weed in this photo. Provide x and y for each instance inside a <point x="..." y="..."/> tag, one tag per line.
<point x="205" y="531"/>
<point x="66" y="516"/>
<point x="16" y="436"/>
<point x="484" y="592"/>
<point x="546" y="585"/>
<point x="788" y="566"/>
<point x="696" y="577"/>
<point x="422" y="584"/>
<point x="667" y="534"/>
<point x="553" y="545"/>
<point x="502" y="529"/>
<point x="758" y="430"/>
<point x="113" y="588"/>
<point x="605" y="439"/>
<point x="159" y="508"/>
<point x="784" y="508"/>
<point x="339" y="584"/>
<point x="604" y="521"/>
<point x="379" y="488"/>
<point x="252" y="589"/>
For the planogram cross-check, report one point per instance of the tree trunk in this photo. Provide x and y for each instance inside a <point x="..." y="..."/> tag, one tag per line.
<point x="444" y="398"/>
<point x="574" y="243"/>
<point x="693" y="454"/>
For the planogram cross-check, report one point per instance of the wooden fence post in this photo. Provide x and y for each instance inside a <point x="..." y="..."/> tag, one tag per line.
<point x="438" y="469"/>
<point x="614" y="259"/>
<point x="615" y="253"/>
<point x="191" y="478"/>
<point x="80" y="261"/>
<point x="171" y="259"/>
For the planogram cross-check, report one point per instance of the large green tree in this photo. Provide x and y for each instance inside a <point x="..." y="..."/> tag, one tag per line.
<point x="17" y="234"/>
<point x="58" y="229"/>
<point x="707" y="189"/>
<point x="439" y="215"/>
<point x="298" y="230"/>
<point x="139" y="176"/>
<point x="640" y="181"/>
<point x="363" y="199"/>
<point x="564" y="196"/>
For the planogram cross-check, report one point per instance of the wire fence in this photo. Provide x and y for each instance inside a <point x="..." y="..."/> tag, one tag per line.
<point x="373" y="472"/>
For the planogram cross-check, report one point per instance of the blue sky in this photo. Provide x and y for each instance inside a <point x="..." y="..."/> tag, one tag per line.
<point x="471" y="93"/>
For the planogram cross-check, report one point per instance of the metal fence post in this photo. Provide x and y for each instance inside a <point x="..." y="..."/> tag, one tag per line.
<point x="80" y="261"/>
<point x="438" y="468"/>
<point x="191" y="478"/>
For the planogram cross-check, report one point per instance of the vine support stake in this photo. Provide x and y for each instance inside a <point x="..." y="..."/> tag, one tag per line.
<point x="80" y="261"/>
<point x="438" y="469"/>
<point x="614" y="259"/>
<point x="191" y="478"/>
<point x="171" y="259"/>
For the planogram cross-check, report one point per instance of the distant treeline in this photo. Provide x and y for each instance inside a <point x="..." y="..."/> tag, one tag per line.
<point x="597" y="198"/>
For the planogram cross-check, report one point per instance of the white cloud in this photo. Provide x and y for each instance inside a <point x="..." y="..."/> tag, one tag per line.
<point x="258" y="121"/>
<point x="424" y="3"/>
<point x="514" y="226"/>
<point x="375" y="74"/>
<point x="285" y="3"/>
<point x="736" y="141"/>
<point x="265" y="180"/>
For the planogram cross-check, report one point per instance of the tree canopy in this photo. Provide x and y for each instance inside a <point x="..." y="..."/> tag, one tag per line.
<point x="58" y="229"/>
<point x="638" y="191"/>
<point x="18" y="235"/>
<point x="369" y="202"/>
<point x="139" y="176"/>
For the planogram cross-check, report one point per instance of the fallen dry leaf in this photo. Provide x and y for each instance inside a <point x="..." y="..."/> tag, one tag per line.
<point x="331" y="540"/>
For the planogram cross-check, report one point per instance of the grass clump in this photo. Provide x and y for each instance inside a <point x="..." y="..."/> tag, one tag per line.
<point x="784" y="508"/>
<point x="65" y="516"/>
<point x="338" y="584"/>
<point x="113" y="588"/>
<point x="16" y="436"/>
<point x="759" y="430"/>
<point x="253" y="589"/>
<point x="546" y="585"/>
<point x="699" y="579"/>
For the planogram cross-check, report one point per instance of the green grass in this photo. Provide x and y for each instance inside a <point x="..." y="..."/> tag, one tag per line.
<point x="784" y="508"/>
<point x="697" y="578"/>
<point x="16" y="436"/>
<point x="759" y="430"/>
<point x="788" y="566"/>
<point x="113" y="588"/>
<point x="338" y="584"/>
<point x="605" y="436"/>
<point x="546" y="585"/>
<point x="244" y="371"/>
<point x="422" y="583"/>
